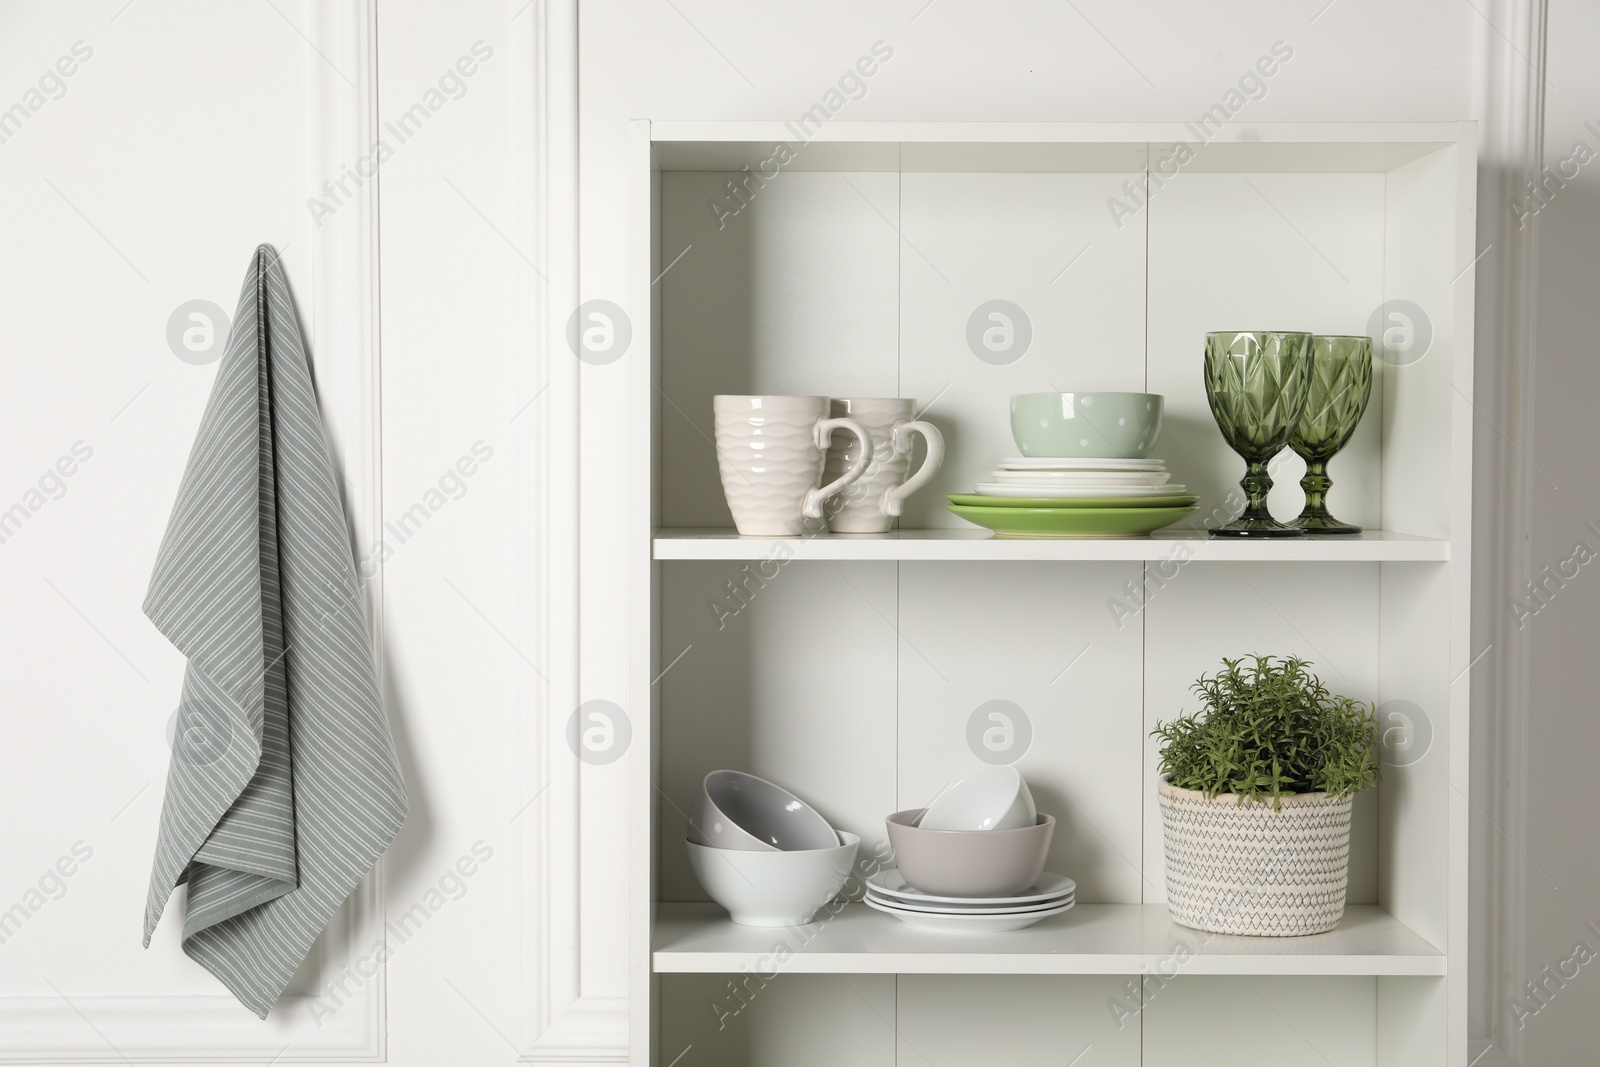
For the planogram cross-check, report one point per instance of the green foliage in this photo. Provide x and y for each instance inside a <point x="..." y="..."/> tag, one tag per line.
<point x="1270" y="728"/>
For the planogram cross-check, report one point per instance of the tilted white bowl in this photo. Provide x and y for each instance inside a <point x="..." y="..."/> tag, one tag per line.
<point x="735" y="810"/>
<point x="994" y="799"/>
<point x="773" y="888"/>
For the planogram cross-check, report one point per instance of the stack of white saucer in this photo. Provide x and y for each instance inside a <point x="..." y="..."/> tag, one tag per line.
<point x="1057" y="478"/>
<point x="1050" y="894"/>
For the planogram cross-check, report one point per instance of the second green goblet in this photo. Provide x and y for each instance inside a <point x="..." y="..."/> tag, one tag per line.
<point x="1257" y="384"/>
<point x="1341" y="383"/>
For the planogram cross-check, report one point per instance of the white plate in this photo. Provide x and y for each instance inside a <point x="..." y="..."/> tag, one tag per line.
<point x="1063" y="463"/>
<point x="977" y="923"/>
<point x="967" y="909"/>
<point x="1087" y="492"/>
<point x="1049" y="887"/>
<point x="1080" y="477"/>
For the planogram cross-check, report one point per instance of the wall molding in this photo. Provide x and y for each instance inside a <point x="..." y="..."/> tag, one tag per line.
<point x="1509" y="61"/>
<point x="590" y="1030"/>
<point x="211" y="1028"/>
<point x="569" y="1026"/>
<point x="182" y="1029"/>
<point x="344" y="340"/>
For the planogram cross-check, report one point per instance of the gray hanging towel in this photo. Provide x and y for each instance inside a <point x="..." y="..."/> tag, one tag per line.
<point x="283" y="788"/>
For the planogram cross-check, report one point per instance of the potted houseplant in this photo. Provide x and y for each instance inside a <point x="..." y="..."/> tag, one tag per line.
<point x="1256" y="790"/>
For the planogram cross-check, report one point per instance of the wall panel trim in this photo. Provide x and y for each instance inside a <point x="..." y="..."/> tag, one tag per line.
<point x="1509" y="81"/>
<point x="570" y="1025"/>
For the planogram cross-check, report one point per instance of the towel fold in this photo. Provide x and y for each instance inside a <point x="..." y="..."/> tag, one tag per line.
<point x="283" y="788"/>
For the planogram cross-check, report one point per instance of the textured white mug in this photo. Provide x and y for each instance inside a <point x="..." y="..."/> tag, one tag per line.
<point x="770" y="452"/>
<point x="873" y="503"/>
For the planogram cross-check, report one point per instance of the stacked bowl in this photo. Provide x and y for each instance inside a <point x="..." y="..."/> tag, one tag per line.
<point x="972" y="860"/>
<point x="763" y="853"/>
<point x="1085" y="470"/>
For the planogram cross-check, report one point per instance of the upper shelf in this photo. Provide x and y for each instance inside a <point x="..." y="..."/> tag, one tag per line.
<point x="1048" y="147"/>
<point x="1373" y="546"/>
<point x="1089" y="939"/>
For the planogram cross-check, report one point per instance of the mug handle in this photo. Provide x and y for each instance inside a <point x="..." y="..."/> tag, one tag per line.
<point x="815" y="498"/>
<point x="895" y="496"/>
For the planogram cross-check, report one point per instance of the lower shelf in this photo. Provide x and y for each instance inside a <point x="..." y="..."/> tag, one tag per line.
<point x="1174" y="544"/>
<point x="1089" y="939"/>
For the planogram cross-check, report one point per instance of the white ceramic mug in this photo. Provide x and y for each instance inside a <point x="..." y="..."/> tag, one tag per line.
<point x="770" y="452"/>
<point x="873" y="503"/>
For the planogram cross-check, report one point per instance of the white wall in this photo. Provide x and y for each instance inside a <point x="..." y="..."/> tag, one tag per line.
<point x="187" y="134"/>
<point x="456" y="382"/>
<point x="176" y="147"/>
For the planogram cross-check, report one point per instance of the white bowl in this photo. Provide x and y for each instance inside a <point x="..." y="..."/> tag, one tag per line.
<point x="995" y="799"/>
<point x="773" y="888"/>
<point x="735" y="810"/>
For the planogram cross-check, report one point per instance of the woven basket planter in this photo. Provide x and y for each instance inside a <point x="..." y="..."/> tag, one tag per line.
<point x="1253" y="869"/>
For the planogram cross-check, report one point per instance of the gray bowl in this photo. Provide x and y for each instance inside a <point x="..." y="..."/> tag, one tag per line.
<point x="969" y="863"/>
<point x="739" y="811"/>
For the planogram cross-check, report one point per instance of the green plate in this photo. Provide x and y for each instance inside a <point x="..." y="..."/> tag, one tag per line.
<point x="1161" y="500"/>
<point x="1071" y="522"/>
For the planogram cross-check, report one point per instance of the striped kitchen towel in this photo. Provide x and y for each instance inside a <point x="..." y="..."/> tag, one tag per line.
<point x="283" y="788"/>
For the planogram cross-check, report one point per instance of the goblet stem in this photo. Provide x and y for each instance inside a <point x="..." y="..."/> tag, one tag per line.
<point x="1256" y="483"/>
<point x="1314" y="518"/>
<point x="1315" y="484"/>
<point x="1255" y="520"/>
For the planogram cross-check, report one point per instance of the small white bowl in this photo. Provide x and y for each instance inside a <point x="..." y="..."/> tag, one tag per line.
<point x="735" y="810"/>
<point x="773" y="888"/>
<point x="995" y="799"/>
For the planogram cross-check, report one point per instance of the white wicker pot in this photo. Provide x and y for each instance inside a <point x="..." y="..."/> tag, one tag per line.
<point x="1253" y="869"/>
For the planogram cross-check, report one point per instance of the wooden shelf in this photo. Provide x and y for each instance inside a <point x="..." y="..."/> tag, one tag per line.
<point x="1373" y="546"/>
<point x="1089" y="939"/>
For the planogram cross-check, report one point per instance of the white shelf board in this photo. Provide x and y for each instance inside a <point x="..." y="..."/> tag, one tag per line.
<point x="1089" y="939"/>
<point x="692" y="130"/>
<point x="1033" y="146"/>
<point x="1372" y="546"/>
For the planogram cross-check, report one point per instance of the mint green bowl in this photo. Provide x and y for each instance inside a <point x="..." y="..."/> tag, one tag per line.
<point x="1086" y="425"/>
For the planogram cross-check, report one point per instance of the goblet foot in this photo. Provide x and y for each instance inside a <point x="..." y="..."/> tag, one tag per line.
<point x="1255" y="520"/>
<point x="1255" y="527"/>
<point x="1314" y="518"/>
<point x="1320" y="522"/>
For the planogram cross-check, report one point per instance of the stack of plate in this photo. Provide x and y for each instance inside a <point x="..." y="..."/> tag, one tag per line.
<point x="1061" y="497"/>
<point x="888" y="891"/>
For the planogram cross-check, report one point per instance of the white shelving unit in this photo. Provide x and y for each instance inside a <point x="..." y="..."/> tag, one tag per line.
<point x="853" y="669"/>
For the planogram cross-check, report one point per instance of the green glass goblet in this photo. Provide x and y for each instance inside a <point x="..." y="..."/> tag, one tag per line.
<point x="1341" y="384"/>
<point x="1257" y="384"/>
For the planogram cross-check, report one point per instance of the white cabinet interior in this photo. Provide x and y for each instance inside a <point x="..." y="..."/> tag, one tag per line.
<point x="849" y="670"/>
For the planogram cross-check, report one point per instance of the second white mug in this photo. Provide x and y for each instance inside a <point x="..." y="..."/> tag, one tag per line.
<point x="873" y="503"/>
